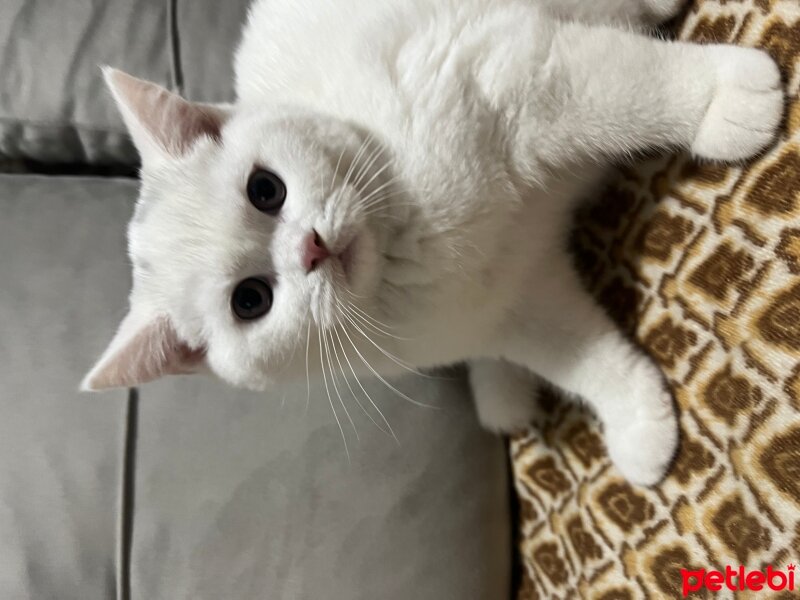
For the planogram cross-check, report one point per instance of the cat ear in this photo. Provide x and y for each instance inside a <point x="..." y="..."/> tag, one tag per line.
<point x="162" y="124"/>
<point x="141" y="351"/>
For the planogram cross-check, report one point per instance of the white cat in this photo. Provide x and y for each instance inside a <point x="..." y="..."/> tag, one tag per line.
<point x="405" y="171"/>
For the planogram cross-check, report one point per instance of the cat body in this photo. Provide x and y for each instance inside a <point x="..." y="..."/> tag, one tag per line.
<point x="431" y="153"/>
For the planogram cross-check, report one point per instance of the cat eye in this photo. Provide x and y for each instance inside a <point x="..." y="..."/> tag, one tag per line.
<point x="266" y="191"/>
<point x="251" y="299"/>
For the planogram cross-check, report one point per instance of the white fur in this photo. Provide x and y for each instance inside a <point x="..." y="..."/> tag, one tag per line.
<point x="505" y="395"/>
<point x="487" y="122"/>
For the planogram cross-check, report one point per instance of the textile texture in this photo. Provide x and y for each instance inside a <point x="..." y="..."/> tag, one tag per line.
<point x="701" y="264"/>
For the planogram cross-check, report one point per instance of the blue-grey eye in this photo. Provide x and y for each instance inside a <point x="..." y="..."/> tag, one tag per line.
<point x="251" y="299"/>
<point x="266" y="191"/>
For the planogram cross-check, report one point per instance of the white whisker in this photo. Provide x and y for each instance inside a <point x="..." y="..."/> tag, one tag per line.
<point x="398" y="361"/>
<point x="371" y="326"/>
<point x="378" y="174"/>
<point x="335" y="386"/>
<point x="368" y="316"/>
<point x="366" y="200"/>
<point x="383" y="209"/>
<point x="338" y="164"/>
<point x="376" y="154"/>
<point x="330" y="399"/>
<point x="382" y="380"/>
<point x="371" y="401"/>
<point x="308" y="377"/>
<point x="350" y="387"/>
<point x="353" y="163"/>
<point x="369" y="199"/>
<point x="381" y="205"/>
<point x="385" y="217"/>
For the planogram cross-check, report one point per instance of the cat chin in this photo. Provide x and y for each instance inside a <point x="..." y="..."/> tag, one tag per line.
<point x="252" y="379"/>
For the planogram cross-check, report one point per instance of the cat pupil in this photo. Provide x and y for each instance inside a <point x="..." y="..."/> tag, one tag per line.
<point x="252" y="299"/>
<point x="266" y="191"/>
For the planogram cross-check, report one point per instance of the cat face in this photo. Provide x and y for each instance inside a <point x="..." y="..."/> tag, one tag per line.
<point x="251" y="232"/>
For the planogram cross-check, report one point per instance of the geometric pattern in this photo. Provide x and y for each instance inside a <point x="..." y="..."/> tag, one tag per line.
<point x="700" y="263"/>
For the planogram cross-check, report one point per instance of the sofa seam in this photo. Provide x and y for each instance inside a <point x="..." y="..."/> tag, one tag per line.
<point x="83" y="179"/>
<point x="23" y="122"/>
<point x="174" y="46"/>
<point x="127" y="496"/>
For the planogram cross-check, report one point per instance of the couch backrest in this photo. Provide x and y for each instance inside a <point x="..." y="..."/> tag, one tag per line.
<point x="54" y="106"/>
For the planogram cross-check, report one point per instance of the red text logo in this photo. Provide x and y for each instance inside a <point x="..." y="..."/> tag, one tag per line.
<point x="737" y="580"/>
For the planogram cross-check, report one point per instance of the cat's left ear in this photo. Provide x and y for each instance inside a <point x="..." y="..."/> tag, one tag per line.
<point x="144" y="348"/>
<point x="162" y="124"/>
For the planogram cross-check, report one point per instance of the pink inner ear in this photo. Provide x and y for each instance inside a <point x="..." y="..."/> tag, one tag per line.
<point x="152" y="352"/>
<point x="173" y="123"/>
<point x="196" y="121"/>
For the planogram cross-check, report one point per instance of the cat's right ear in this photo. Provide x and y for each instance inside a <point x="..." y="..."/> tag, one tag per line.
<point x="145" y="348"/>
<point x="162" y="124"/>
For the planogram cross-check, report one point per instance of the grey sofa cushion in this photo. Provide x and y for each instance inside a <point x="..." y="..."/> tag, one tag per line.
<point x="248" y="496"/>
<point x="53" y="104"/>
<point x="63" y="283"/>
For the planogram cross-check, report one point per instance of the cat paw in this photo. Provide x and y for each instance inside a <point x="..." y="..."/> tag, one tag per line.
<point x="505" y="418"/>
<point x="746" y="110"/>
<point x="505" y="396"/>
<point x="663" y="10"/>
<point x="644" y="449"/>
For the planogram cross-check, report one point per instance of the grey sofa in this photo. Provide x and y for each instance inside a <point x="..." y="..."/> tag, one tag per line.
<point x="186" y="488"/>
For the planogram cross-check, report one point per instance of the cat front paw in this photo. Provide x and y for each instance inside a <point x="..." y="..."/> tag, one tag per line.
<point x="643" y="449"/>
<point x="508" y="418"/>
<point x="505" y="396"/>
<point x="746" y="110"/>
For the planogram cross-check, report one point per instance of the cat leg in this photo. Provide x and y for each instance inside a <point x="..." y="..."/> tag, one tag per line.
<point x="647" y="12"/>
<point x="595" y="93"/>
<point x="566" y="338"/>
<point x="505" y="395"/>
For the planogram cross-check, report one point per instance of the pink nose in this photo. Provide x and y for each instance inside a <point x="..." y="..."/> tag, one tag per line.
<point x="313" y="251"/>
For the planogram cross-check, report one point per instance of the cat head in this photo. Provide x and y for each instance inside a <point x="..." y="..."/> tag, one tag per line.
<point x="253" y="226"/>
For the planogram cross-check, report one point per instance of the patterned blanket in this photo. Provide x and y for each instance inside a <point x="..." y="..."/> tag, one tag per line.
<point x="701" y="263"/>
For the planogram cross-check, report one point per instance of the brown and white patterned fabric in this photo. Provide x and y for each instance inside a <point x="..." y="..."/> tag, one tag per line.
<point x="701" y="263"/>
